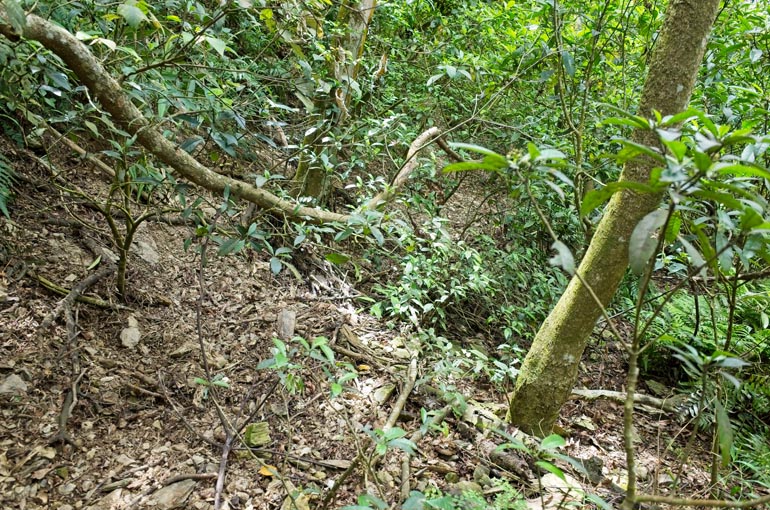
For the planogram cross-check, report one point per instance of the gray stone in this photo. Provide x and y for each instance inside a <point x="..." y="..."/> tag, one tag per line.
<point x="146" y="250"/>
<point x="172" y="496"/>
<point x="14" y="385"/>
<point x="131" y="335"/>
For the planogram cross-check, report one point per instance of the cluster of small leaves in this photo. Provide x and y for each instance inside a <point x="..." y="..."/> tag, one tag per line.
<point x="287" y="362"/>
<point x="506" y="498"/>
<point x="455" y="286"/>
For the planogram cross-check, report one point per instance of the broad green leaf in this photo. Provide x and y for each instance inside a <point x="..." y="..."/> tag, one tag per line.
<point x="218" y="44"/>
<point x="477" y="148"/>
<point x="404" y="445"/>
<point x="742" y="171"/>
<point x="132" y="14"/>
<point x="551" y="468"/>
<point x="705" y="245"/>
<point x="733" y="362"/>
<point x="750" y="219"/>
<point x="724" y="433"/>
<point x="634" y="149"/>
<point x="634" y="122"/>
<point x="641" y="246"/>
<point x="550" y="154"/>
<point x="472" y="165"/>
<point x="595" y="198"/>
<point x="673" y="227"/>
<point x="569" y="62"/>
<point x="725" y="199"/>
<point x="433" y="79"/>
<point x="599" y="502"/>
<point x="696" y="258"/>
<point x="337" y="258"/>
<point x="552" y="442"/>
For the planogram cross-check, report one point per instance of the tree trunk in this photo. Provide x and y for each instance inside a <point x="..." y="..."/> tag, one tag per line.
<point x="550" y="368"/>
<point x="311" y="177"/>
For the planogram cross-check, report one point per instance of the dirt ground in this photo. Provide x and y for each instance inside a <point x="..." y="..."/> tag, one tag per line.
<point x="108" y="408"/>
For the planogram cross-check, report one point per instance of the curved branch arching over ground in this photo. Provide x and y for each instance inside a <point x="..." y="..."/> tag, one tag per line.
<point x="108" y="91"/>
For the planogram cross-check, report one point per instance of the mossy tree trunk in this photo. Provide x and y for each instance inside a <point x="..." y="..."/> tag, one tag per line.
<point x="550" y="368"/>
<point x="311" y="179"/>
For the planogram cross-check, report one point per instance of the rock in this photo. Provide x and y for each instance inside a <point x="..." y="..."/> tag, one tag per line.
<point x="108" y="502"/>
<point x="383" y="393"/>
<point x="146" y="249"/>
<point x="13" y="385"/>
<point x="567" y="489"/>
<point x="481" y="475"/>
<point x="131" y="335"/>
<point x="287" y="321"/>
<point x="465" y="486"/>
<point x="172" y="496"/>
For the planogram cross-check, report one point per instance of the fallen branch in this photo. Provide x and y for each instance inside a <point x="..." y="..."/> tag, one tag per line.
<point x="80" y="299"/>
<point x="398" y="407"/>
<point x="70" y="401"/>
<point x="75" y="293"/>
<point x="712" y="503"/>
<point x="666" y="404"/>
<point x="415" y="438"/>
<point x="98" y="163"/>
<point x="402" y="175"/>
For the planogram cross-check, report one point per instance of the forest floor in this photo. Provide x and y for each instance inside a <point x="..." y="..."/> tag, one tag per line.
<point x="104" y="408"/>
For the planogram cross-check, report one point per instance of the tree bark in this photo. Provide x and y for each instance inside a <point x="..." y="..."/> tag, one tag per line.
<point x="551" y="366"/>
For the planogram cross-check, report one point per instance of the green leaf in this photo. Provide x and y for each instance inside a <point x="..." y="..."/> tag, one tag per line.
<point x="599" y="502"/>
<point x="552" y="442"/>
<point x="641" y="246"/>
<point x="696" y="258"/>
<point x="404" y="445"/>
<point x="472" y="165"/>
<point x="95" y="262"/>
<point x="633" y="149"/>
<point x="337" y="258"/>
<point x="742" y="170"/>
<point x="724" y="433"/>
<point x="546" y="154"/>
<point x="595" y="198"/>
<point x="569" y="62"/>
<point x="218" y="44"/>
<point x="551" y="468"/>
<point x="132" y="14"/>
<point x="275" y="265"/>
<point x="479" y="149"/>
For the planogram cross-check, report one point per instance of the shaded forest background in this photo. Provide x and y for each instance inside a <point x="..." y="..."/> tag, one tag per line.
<point x="337" y="227"/>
